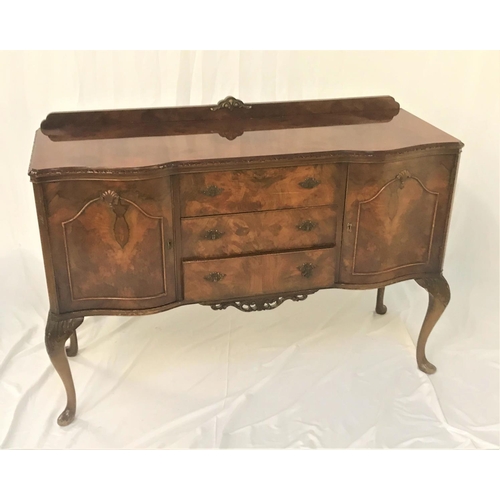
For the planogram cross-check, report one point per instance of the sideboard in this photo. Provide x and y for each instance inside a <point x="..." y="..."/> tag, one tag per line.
<point x="237" y="204"/>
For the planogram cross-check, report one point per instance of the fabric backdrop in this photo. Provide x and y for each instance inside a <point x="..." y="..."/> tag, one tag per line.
<point x="324" y="373"/>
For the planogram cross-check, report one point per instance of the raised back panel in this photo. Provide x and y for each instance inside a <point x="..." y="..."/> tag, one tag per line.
<point x="230" y="118"/>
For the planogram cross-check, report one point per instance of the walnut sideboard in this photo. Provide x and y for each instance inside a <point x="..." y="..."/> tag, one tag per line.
<point x="236" y="204"/>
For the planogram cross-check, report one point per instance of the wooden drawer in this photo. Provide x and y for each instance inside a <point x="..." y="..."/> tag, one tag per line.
<point x="226" y="235"/>
<point x="255" y="190"/>
<point x="247" y="276"/>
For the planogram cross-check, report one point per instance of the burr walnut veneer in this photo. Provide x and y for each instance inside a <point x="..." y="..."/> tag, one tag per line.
<point x="243" y="205"/>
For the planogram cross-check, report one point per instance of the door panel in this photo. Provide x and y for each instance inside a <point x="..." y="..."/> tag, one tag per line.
<point x="110" y="242"/>
<point x="395" y="218"/>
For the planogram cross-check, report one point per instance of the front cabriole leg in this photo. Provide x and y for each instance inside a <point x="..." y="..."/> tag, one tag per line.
<point x="56" y="334"/>
<point x="439" y="297"/>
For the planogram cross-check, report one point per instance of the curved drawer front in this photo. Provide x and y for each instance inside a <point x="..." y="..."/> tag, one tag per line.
<point x="255" y="190"/>
<point x="247" y="276"/>
<point x="226" y="235"/>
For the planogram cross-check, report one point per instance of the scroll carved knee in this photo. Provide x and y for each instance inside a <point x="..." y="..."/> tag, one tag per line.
<point x="57" y="333"/>
<point x="439" y="297"/>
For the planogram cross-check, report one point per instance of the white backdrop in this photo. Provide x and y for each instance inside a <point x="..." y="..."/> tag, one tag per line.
<point x="325" y="373"/>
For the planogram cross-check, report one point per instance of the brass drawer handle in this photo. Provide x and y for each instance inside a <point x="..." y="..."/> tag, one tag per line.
<point x="306" y="269"/>
<point x="214" y="277"/>
<point x="307" y="225"/>
<point x="309" y="183"/>
<point x="213" y="234"/>
<point x="212" y="191"/>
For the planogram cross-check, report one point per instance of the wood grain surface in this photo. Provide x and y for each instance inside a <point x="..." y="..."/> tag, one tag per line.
<point x="254" y="275"/>
<point x="98" y="264"/>
<point x="404" y="131"/>
<point x="395" y="218"/>
<point x="230" y="116"/>
<point x="255" y="190"/>
<point x="143" y="210"/>
<point x="226" y="235"/>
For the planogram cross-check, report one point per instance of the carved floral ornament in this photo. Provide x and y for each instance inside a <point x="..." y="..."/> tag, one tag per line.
<point x="258" y="304"/>
<point x="402" y="177"/>
<point x="230" y="103"/>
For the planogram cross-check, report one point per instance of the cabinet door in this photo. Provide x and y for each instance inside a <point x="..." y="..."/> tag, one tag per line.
<point x="396" y="218"/>
<point x="111" y="243"/>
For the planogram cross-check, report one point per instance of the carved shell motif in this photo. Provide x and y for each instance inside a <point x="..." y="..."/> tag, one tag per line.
<point x="120" y="227"/>
<point x="110" y="197"/>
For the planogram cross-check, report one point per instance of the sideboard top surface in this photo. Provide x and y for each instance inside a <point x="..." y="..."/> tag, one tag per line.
<point x="403" y="132"/>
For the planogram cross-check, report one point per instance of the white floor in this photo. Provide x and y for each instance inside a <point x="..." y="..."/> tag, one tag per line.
<point x="324" y="373"/>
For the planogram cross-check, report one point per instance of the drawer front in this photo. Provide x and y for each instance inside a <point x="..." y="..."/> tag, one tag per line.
<point x="226" y="235"/>
<point x="255" y="190"/>
<point x="247" y="276"/>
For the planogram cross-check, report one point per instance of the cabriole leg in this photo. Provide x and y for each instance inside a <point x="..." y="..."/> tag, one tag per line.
<point x="439" y="297"/>
<point x="56" y="334"/>
<point x="72" y="349"/>
<point x="380" y="308"/>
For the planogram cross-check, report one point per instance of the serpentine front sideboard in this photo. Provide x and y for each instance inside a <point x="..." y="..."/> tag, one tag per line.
<point x="243" y="205"/>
